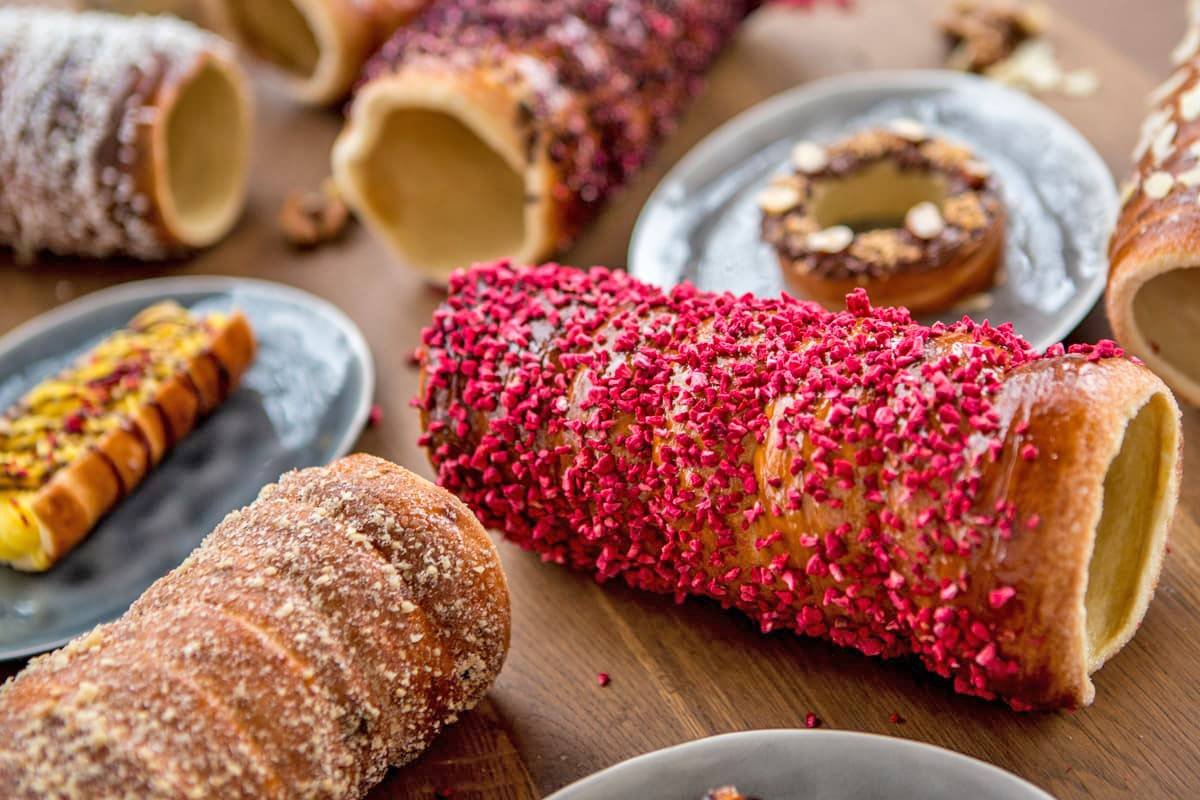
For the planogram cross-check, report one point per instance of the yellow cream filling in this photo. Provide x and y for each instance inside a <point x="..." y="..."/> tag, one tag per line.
<point x="60" y="418"/>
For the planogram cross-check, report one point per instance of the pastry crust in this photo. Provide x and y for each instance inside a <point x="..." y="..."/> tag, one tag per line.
<point x="914" y="219"/>
<point x="483" y="116"/>
<point x="940" y="492"/>
<point x="320" y="46"/>
<point x="79" y="493"/>
<point x="318" y="636"/>
<point x="156" y="160"/>
<point x="1154" y="251"/>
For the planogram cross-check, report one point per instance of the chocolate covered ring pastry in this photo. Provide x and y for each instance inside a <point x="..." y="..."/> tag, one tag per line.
<point x="118" y="135"/>
<point x="915" y="219"/>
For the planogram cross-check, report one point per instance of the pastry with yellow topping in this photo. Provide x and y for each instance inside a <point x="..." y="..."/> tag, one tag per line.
<point x="78" y="442"/>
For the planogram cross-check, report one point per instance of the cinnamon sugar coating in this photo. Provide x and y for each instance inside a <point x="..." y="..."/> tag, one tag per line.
<point x="843" y="475"/>
<point x="318" y="636"/>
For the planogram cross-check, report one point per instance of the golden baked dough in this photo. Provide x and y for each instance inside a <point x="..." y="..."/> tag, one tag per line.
<point x="78" y="442"/>
<point x="322" y="634"/>
<point x="940" y="492"/>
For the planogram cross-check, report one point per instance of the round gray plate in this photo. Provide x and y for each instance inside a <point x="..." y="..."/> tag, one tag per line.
<point x="303" y="402"/>
<point x="804" y="765"/>
<point x="702" y="222"/>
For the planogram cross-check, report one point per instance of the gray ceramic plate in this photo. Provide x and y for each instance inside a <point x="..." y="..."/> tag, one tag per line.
<point x="702" y="222"/>
<point x="804" y="765"/>
<point x="303" y="402"/>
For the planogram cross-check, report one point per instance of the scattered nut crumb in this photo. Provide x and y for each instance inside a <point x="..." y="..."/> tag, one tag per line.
<point x="1080" y="83"/>
<point x="311" y="218"/>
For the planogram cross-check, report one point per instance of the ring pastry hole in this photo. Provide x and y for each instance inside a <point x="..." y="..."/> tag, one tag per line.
<point x="1167" y="312"/>
<point x="279" y="32"/>
<point x="875" y="197"/>
<point x="1130" y="520"/>
<point x="445" y="197"/>
<point x="205" y="134"/>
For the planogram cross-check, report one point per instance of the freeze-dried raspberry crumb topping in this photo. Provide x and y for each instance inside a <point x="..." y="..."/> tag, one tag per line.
<point x="822" y="472"/>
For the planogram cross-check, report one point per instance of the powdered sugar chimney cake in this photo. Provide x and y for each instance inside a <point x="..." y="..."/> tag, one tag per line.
<point x="118" y="135"/>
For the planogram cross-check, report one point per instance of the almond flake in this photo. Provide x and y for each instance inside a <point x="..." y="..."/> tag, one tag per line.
<point x="1189" y="104"/>
<point x="809" y="157"/>
<point x="830" y="240"/>
<point x="1190" y="178"/>
<point x="778" y="199"/>
<point x="908" y="129"/>
<point x="1188" y="47"/>
<point x="1158" y="185"/>
<point x="1164" y="142"/>
<point x="925" y="221"/>
<point x="1168" y="87"/>
<point x="1150" y="128"/>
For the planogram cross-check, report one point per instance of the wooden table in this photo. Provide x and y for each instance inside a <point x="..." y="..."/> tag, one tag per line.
<point x="683" y="672"/>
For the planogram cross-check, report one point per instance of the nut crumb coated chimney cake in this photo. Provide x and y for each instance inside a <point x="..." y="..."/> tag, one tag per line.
<point x="517" y="120"/>
<point x="943" y="491"/>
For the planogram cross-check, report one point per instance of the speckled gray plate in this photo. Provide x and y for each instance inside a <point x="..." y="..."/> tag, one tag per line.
<point x="302" y="402"/>
<point x="702" y="222"/>
<point x="804" y="765"/>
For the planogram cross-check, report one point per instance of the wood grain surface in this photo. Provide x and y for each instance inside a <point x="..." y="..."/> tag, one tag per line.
<point x="683" y="672"/>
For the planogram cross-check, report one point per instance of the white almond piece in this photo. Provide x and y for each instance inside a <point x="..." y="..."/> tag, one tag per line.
<point x="778" y="199"/>
<point x="1168" y="87"/>
<point x="809" y="157"/>
<point x="1190" y="178"/>
<point x="830" y="240"/>
<point x="1150" y="128"/>
<point x="925" y="221"/>
<point x="1158" y="185"/>
<point x="1189" y="104"/>
<point x="1080" y="83"/>
<point x="1188" y="47"/>
<point x="1164" y="142"/>
<point x="909" y="129"/>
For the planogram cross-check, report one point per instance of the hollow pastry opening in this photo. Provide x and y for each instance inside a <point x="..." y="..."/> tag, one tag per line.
<point x="436" y="188"/>
<point x="279" y="31"/>
<point x="203" y="154"/>
<point x="876" y="197"/>
<point x="1130" y="533"/>
<point x="1166" y="310"/>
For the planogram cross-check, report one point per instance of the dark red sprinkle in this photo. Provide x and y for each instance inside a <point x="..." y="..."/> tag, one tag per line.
<point x="375" y="416"/>
<point x="896" y="719"/>
<point x="603" y="679"/>
<point x="811" y="720"/>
